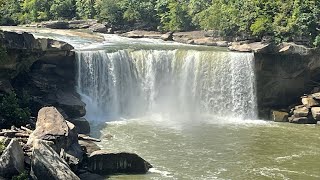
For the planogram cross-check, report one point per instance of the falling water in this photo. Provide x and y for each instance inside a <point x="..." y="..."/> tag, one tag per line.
<point x="132" y="83"/>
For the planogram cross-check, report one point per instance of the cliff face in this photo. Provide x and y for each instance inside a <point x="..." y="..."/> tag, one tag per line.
<point x="43" y="68"/>
<point x="283" y="78"/>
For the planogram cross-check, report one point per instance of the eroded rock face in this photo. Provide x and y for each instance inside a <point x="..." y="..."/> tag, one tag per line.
<point x="281" y="80"/>
<point x="104" y="163"/>
<point x="12" y="160"/>
<point x="47" y="164"/>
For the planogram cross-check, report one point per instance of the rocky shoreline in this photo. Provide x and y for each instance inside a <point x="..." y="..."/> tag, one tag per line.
<point x="205" y="38"/>
<point x="54" y="144"/>
<point x="55" y="150"/>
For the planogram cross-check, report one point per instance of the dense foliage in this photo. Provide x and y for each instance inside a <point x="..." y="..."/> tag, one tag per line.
<point x="14" y="110"/>
<point x="290" y="20"/>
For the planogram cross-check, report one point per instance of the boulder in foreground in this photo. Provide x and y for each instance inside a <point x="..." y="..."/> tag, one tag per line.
<point x="12" y="160"/>
<point x="47" y="164"/>
<point x="104" y="163"/>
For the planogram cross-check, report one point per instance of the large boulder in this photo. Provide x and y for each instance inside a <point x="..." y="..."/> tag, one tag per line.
<point x="101" y="28"/>
<point x="71" y="104"/>
<point x="55" y="24"/>
<point x="12" y="160"/>
<point x="104" y="163"/>
<point x="51" y="126"/>
<point x="279" y="116"/>
<point x="47" y="164"/>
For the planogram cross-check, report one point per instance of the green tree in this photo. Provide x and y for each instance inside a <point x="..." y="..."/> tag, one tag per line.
<point x="85" y="9"/>
<point x="13" y="110"/>
<point x="10" y="12"/>
<point x="174" y="15"/>
<point x="63" y="9"/>
<point x="36" y="10"/>
<point x="109" y="11"/>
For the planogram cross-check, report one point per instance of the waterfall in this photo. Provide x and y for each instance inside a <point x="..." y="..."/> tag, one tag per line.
<point x="131" y="83"/>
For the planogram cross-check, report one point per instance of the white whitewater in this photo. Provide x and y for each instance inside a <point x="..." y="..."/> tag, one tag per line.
<point x="188" y="83"/>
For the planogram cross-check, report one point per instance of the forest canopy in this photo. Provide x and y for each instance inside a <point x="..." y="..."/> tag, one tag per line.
<point x="283" y="20"/>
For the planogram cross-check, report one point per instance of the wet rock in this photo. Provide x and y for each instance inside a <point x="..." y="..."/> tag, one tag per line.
<point x="302" y="120"/>
<point x="12" y="160"/>
<point x="104" y="163"/>
<point x="47" y="164"/>
<point x="82" y="125"/>
<point x="54" y="45"/>
<point x="279" y="116"/>
<point x="89" y="146"/>
<point x="90" y="176"/>
<point x="316" y="113"/>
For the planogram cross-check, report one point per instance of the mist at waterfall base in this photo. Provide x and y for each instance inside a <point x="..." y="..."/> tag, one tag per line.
<point x="190" y="112"/>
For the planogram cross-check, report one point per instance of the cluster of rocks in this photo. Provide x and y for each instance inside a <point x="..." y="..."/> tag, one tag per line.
<point x="233" y="44"/>
<point x="91" y="24"/>
<point x="306" y="113"/>
<point x="55" y="150"/>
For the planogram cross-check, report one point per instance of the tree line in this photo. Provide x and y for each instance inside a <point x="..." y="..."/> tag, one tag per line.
<point x="282" y="20"/>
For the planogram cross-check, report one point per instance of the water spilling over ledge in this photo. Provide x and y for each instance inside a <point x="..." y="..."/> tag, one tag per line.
<point x="131" y="83"/>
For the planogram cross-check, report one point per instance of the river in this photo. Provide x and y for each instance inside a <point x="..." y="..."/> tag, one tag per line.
<point x="189" y="110"/>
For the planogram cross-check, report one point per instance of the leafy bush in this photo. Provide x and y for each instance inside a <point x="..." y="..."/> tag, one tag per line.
<point x="23" y="176"/>
<point x="13" y="110"/>
<point x="316" y="42"/>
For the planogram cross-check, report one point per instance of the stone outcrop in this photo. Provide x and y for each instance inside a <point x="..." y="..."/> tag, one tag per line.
<point x="308" y="112"/>
<point x="47" y="164"/>
<point x="51" y="126"/>
<point x="279" y="116"/>
<point x="44" y="68"/>
<point x="12" y="160"/>
<point x="104" y="163"/>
